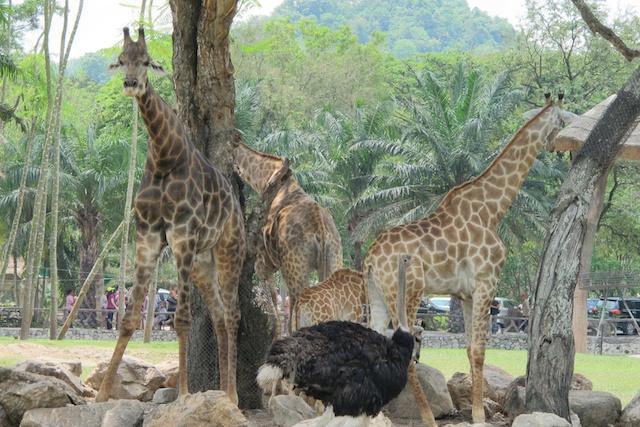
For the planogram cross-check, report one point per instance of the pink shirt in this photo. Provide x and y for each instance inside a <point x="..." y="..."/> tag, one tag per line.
<point x="69" y="301"/>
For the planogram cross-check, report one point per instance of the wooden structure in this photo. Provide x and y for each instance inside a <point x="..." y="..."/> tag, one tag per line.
<point x="571" y="139"/>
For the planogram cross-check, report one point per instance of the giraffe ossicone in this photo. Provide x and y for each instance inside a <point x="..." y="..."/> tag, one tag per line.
<point x="456" y="249"/>
<point x="186" y="203"/>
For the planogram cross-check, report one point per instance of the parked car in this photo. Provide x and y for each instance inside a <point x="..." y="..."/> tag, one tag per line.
<point x="429" y="308"/>
<point x="615" y="308"/>
<point x="505" y="305"/>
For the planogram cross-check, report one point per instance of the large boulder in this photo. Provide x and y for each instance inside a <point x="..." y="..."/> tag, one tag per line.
<point x="169" y="369"/>
<point x="165" y="395"/>
<point x="496" y="383"/>
<point x="540" y="419"/>
<point x="435" y="386"/>
<point x="211" y="409"/>
<point x="631" y="413"/>
<point x="135" y="379"/>
<point x="580" y="382"/>
<point x="115" y="413"/>
<point x="595" y="408"/>
<point x="57" y="370"/>
<point x="21" y="391"/>
<point x="288" y="410"/>
<point x="514" y="398"/>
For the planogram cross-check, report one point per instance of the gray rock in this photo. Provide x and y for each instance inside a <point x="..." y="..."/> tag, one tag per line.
<point x="288" y="410"/>
<point x="21" y="391"/>
<point x="165" y="395"/>
<point x="514" y="399"/>
<point x="631" y="414"/>
<point x="580" y="382"/>
<point x="575" y="420"/>
<point x="115" y="413"/>
<point x="209" y="409"/>
<point x="595" y="408"/>
<point x="496" y="383"/>
<point x="170" y="371"/>
<point x="540" y="419"/>
<point x="58" y="370"/>
<point x="135" y="379"/>
<point x="434" y="385"/>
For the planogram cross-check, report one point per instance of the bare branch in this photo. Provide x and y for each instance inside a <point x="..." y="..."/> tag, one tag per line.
<point x="607" y="33"/>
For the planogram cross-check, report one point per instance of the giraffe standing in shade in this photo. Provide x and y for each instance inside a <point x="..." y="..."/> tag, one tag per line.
<point x="299" y="236"/>
<point x="186" y="203"/>
<point x="456" y="250"/>
<point x="340" y="297"/>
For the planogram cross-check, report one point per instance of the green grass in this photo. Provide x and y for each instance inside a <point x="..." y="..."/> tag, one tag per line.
<point x="617" y="375"/>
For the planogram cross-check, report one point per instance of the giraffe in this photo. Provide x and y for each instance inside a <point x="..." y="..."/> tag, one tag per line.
<point x="457" y="249"/>
<point x="340" y="297"/>
<point x="186" y="203"/>
<point x="299" y="236"/>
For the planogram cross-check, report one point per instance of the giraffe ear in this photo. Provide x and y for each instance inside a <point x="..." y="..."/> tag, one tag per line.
<point x="278" y="176"/>
<point x="157" y="68"/>
<point x="115" y="66"/>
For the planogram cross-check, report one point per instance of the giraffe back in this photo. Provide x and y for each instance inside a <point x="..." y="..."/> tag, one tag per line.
<point x="340" y="297"/>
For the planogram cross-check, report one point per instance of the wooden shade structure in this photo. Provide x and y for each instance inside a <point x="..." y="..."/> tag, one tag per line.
<point x="573" y="136"/>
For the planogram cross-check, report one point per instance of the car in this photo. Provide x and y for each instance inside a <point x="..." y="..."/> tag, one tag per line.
<point x="615" y="309"/>
<point x="505" y="305"/>
<point x="429" y="308"/>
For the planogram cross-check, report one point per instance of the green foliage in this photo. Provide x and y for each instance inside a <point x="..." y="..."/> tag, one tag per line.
<point x="411" y="26"/>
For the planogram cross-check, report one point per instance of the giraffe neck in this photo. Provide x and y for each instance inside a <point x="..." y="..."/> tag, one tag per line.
<point x="257" y="168"/>
<point x="167" y="144"/>
<point x="492" y="193"/>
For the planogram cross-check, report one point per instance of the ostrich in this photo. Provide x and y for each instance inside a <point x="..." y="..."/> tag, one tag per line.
<point x="353" y="370"/>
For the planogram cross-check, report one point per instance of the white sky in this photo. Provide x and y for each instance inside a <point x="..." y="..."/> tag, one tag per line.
<point x="102" y="20"/>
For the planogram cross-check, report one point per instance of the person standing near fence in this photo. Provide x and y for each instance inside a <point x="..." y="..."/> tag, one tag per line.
<point x="494" y="311"/>
<point x="111" y="306"/>
<point x="69" y="300"/>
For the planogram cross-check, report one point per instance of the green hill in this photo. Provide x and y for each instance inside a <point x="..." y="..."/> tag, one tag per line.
<point x="411" y="26"/>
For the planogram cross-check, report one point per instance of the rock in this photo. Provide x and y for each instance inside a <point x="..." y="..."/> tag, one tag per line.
<point x="496" y="382"/>
<point x="328" y="419"/>
<point x="288" y="410"/>
<point x="575" y="420"/>
<point x="170" y="371"/>
<point x="61" y="371"/>
<point x="115" y="413"/>
<point x="165" y="395"/>
<point x="135" y="379"/>
<point x="540" y="419"/>
<point x="631" y="414"/>
<point x="211" y="409"/>
<point x="580" y="382"/>
<point x="595" y="408"/>
<point x="490" y="407"/>
<point x="514" y="398"/>
<point x="466" y="424"/>
<point x="21" y="391"/>
<point x="434" y="385"/>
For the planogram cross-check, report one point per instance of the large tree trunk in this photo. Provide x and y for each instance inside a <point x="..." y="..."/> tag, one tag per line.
<point x="551" y="345"/>
<point x="205" y="91"/>
<point x="88" y="223"/>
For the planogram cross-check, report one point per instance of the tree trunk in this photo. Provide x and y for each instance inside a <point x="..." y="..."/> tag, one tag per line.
<point x="88" y="223"/>
<point x="551" y="345"/>
<point x="456" y="317"/>
<point x="205" y="92"/>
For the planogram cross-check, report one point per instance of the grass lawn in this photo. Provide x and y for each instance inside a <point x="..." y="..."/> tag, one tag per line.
<point x="617" y="375"/>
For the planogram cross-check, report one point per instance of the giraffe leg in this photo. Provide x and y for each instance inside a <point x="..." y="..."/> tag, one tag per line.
<point x="148" y="247"/>
<point x="421" y="398"/>
<point x="184" y="256"/>
<point x="476" y="351"/>
<point x="229" y="253"/>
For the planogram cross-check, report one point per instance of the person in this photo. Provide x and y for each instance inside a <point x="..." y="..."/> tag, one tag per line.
<point x="111" y="306"/>
<point x="161" y="317"/>
<point x="494" y="311"/>
<point x="69" y="301"/>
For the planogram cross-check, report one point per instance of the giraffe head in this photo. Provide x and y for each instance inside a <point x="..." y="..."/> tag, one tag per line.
<point x="134" y="60"/>
<point x="550" y="119"/>
<point x="260" y="170"/>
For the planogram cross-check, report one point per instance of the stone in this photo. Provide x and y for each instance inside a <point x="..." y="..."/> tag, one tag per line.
<point x="580" y="382"/>
<point x="165" y="395"/>
<point x="496" y="383"/>
<point x="514" y="398"/>
<point x="288" y="410"/>
<point x="328" y="419"/>
<point x="61" y="371"/>
<point x="169" y="369"/>
<point x="467" y="424"/>
<point x="631" y="413"/>
<point x="207" y="409"/>
<point x="115" y="413"/>
<point x="135" y="379"/>
<point x="435" y="386"/>
<point x="575" y="420"/>
<point x="21" y="391"/>
<point x="595" y="408"/>
<point x="540" y="419"/>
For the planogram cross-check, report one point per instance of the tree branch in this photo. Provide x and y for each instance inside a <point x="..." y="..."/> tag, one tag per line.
<point x="607" y="33"/>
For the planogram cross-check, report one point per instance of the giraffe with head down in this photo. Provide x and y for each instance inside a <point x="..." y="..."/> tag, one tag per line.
<point x="456" y="250"/>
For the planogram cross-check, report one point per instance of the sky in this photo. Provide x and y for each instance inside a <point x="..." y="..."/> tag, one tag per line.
<point x="102" y="20"/>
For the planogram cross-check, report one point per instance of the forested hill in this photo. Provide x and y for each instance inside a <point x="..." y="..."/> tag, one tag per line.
<point x="411" y="26"/>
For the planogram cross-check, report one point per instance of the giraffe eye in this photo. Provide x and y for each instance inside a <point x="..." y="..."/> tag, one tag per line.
<point x="145" y="63"/>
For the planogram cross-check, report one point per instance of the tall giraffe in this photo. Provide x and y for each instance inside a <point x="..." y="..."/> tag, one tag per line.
<point x="188" y="204"/>
<point x="299" y="236"/>
<point x="456" y="250"/>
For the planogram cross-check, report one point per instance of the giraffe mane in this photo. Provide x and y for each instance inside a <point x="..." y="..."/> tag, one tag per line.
<point x="447" y="198"/>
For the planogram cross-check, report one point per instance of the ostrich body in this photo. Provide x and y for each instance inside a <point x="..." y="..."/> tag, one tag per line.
<point x="345" y="365"/>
